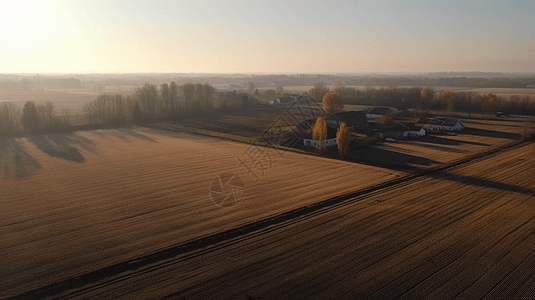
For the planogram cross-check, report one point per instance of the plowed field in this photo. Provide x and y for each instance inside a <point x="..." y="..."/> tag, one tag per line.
<point x="76" y="202"/>
<point x="465" y="233"/>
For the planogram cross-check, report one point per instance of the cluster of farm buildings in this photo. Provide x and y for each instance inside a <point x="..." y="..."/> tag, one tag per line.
<point x="369" y="122"/>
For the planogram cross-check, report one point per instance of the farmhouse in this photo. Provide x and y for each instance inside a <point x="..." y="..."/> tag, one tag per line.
<point x="354" y="119"/>
<point x="396" y="131"/>
<point x="441" y="124"/>
<point x="329" y="142"/>
<point x="447" y="124"/>
<point x="378" y="112"/>
<point x="416" y="131"/>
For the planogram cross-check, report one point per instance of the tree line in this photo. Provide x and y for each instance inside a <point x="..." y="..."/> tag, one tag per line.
<point x="150" y="101"/>
<point x="415" y="98"/>
<point x="32" y="118"/>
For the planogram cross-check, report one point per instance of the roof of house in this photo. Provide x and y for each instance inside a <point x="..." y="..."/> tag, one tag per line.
<point x="306" y="124"/>
<point x="423" y="121"/>
<point x="416" y="128"/>
<point x="399" y="127"/>
<point x="441" y="121"/>
<point x="331" y="133"/>
<point x="381" y="110"/>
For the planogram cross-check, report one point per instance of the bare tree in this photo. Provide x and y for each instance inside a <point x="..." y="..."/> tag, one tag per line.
<point x="187" y="92"/>
<point x="173" y="97"/>
<point x="30" y="118"/>
<point x="250" y="87"/>
<point x="209" y="92"/>
<point x="66" y="115"/>
<point x="164" y="91"/>
<point x="8" y="114"/>
<point x="318" y="91"/>
<point x="147" y="95"/>
<point x="49" y="112"/>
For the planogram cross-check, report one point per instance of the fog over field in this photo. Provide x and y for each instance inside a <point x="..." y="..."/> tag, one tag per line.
<point x="267" y="149"/>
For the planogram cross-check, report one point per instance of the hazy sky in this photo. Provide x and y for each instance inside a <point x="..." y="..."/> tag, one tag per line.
<point x="266" y="36"/>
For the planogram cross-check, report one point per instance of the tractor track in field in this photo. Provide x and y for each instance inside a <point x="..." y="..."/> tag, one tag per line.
<point x="213" y="242"/>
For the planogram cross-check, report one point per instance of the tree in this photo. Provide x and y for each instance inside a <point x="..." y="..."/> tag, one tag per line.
<point x="137" y="114"/>
<point x="164" y="92"/>
<point x="343" y="138"/>
<point x="279" y="89"/>
<point x="187" y="91"/>
<point x="319" y="133"/>
<point x="269" y="93"/>
<point x="318" y="91"/>
<point x="449" y="98"/>
<point x="49" y="112"/>
<point x="66" y="115"/>
<point x="199" y="97"/>
<point x="147" y="95"/>
<point x="250" y="87"/>
<point x="208" y="92"/>
<point x="30" y="119"/>
<point x="490" y="104"/>
<point x="173" y="96"/>
<point x="424" y="97"/>
<point x="332" y="103"/>
<point x="8" y="113"/>
<point x="243" y="100"/>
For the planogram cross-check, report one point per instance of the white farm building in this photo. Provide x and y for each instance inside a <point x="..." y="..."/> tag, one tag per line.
<point x="441" y="124"/>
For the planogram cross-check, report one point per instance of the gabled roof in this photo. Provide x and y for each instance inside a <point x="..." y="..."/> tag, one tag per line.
<point x="380" y="110"/>
<point x="399" y="127"/>
<point x="306" y="124"/>
<point x="423" y="121"/>
<point x="441" y="121"/>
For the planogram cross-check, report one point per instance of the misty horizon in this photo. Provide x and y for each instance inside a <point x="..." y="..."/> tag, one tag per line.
<point x="284" y="37"/>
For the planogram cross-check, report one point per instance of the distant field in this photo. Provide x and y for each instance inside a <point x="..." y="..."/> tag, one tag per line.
<point x="504" y="92"/>
<point x="76" y="202"/>
<point x="73" y="99"/>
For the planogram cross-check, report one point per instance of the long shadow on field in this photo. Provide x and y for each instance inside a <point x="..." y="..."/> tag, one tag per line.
<point x="15" y="161"/>
<point x="123" y="133"/>
<point x="63" y="145"/>
<point x="437" y="147"/>
<point x="483" y="182"/>
<point x="490" y="133"/>
<point x="395" y="160"/>
<point x="432" y="139"/>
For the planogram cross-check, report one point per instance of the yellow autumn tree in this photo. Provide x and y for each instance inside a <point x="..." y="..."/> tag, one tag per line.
<point x="332" y="103"/>
<point x="449" y="98"/>
<point x="490" y="103"/>
<point x="319" y="133"/>
<point x="343" y="138"/>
